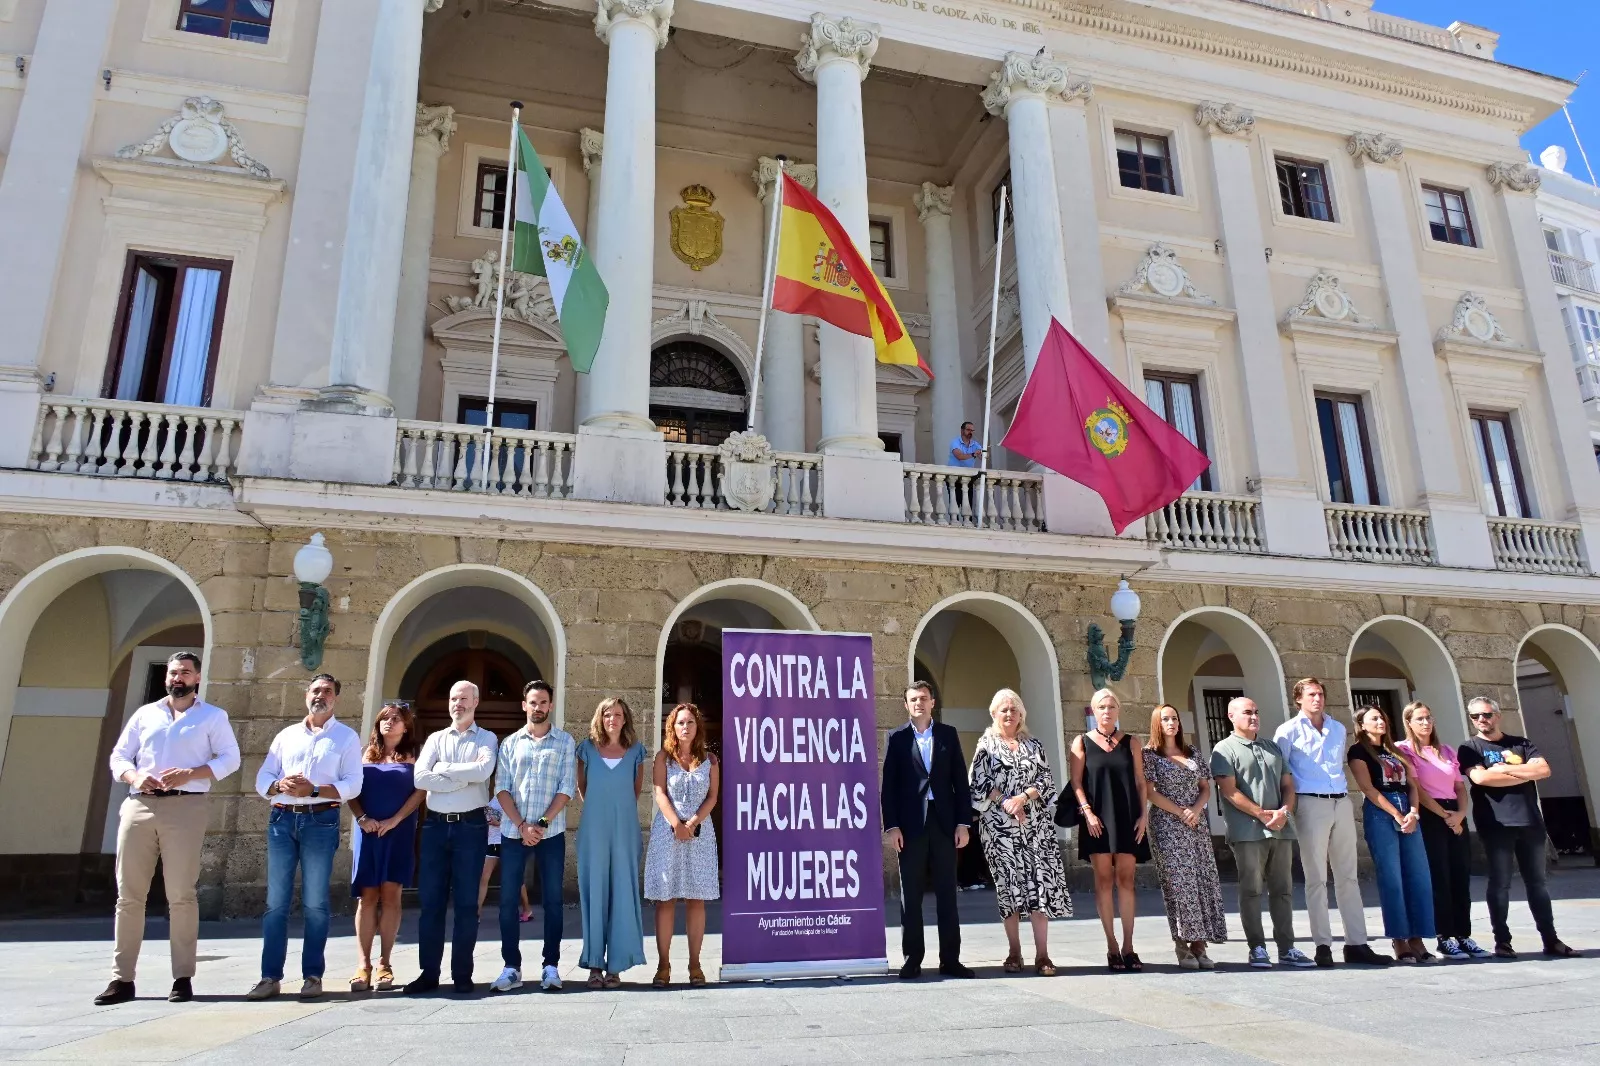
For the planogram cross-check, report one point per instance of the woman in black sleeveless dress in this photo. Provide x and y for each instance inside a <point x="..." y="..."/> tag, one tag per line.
<point x="1108" y="780"/>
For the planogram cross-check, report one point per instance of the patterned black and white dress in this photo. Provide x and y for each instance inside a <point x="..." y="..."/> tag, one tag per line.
<point x="1184" y="857"/>
<point x="1025" y="857"/>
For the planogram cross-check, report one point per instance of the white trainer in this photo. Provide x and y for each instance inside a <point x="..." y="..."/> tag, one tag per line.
<point x="509" y="978"/>
<point x="551" y="979"/>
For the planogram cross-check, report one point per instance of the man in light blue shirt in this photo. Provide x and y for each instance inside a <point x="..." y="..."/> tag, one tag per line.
<point x="1314" y="746"/>
<point x="964" y="451"/>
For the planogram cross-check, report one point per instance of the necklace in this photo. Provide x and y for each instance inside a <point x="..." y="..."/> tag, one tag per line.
<point x="1103" y="733"/>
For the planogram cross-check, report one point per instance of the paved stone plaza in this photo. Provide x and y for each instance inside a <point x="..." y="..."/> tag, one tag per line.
<point x="1545" y="1011"/>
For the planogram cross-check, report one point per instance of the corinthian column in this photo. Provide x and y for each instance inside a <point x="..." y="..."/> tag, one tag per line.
<point x="1022" y="91"/>
<point x="592" y="144"/>
<point x="944" y="333"/>
<point x="835" y="55"/>
<point x="434" y="127"/>
<point x="783" y="370"/>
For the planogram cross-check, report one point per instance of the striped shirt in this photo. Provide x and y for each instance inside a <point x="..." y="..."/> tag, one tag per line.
<point x="533" y="769"/>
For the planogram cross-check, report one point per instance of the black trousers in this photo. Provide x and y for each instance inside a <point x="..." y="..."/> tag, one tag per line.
<point x="929" y="860"/>
<point x="1450" y="865"/>
<point x="1526" y="845"/>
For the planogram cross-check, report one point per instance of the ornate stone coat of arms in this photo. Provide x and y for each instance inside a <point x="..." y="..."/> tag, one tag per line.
<point x="747" y="469"/>
<point x="696" y="229"/>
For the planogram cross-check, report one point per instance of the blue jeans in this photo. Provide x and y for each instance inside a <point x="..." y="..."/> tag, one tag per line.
<point x="550" y="856"/>
<point x="306" y="840"/>
<point x="1405" y="887"/>
<point x="451" y="866"/>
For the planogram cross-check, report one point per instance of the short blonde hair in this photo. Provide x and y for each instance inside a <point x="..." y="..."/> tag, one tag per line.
<point x="1105" y="692"/>
<point x="1001" y="698"/>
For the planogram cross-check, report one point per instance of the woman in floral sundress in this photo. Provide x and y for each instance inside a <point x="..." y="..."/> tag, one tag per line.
<point x="1180" y="832"/>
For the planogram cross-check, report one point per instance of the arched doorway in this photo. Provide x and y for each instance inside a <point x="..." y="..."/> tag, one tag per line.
<point x="1209" y="656"/>
<point x="697" y="395"/>
<point x="497" y="666"/>
<point x="1393" y="660"/>
<point x="83" y="644"/>
<point x="1557" y="673"/>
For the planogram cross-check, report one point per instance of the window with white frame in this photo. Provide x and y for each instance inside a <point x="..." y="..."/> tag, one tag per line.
<point x="1176" y="398"/>
<point x="169" y="323"/>
<point x="1583" y="333"/>
<point x="1303" y="189"/>
<point x="1498" y="465"/>
<point x="1144" y="161"/>
<point x="1346" y="449"/>
<point x="880" y="238"/>
<point x="1449" y="220"/>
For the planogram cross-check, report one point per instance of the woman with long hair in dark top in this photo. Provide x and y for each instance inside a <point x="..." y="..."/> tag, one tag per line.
<point x="385" y="838"/>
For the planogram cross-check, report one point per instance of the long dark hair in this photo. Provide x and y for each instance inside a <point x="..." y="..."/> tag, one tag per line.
<point x="1388" y="729"/>
<point x="409" y="746"/>
<point x="1158" y="737"/>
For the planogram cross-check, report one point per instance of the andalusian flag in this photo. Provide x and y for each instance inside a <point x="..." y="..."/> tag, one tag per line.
<point x="547" y="244"/>
<point x="821" y="273"/>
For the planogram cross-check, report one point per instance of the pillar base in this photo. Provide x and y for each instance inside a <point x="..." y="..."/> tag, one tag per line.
<point x="1294" y="522"/>
<point x="620" y="465"/>
<point x="1460" y="534"/>
<point x="351" y="400"/>
<point x="861" y="484"/>
<point x="620" y="420"/>
<point x="850" y="445"/>
<point x="301" y="435"/>
<point x="20" y="397"/>
<point x="1072" y="509"/>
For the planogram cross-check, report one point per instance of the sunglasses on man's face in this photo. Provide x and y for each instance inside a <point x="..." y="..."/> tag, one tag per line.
<point x="1481" y="716"/>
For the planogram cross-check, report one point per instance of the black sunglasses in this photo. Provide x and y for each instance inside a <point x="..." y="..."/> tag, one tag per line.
<point x="1475" y="715"/>
<point x="404" y="705"/>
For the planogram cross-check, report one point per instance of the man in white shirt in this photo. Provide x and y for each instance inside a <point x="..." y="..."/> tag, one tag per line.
<point x="454" y="770"/>
<point x="168" y="755"/>
<point x="312" y="767"/>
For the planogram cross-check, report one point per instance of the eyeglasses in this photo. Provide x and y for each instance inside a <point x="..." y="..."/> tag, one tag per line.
<point x="1481" y="715"/>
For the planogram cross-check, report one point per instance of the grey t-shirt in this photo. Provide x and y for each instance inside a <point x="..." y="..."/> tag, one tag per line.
<point x="1257" y="768"/>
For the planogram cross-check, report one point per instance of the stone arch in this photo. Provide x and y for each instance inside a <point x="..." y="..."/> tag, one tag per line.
<point x="696" y="321"/>
<point x="1428" y="667"/>
<point x="1259" y="666"/>
<point x="1039" y="672"/>
<point x="1575" y="661"/>
<point x="443" y="580"/>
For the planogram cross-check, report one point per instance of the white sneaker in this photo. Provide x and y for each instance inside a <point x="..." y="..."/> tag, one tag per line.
<point x="1296" y="957"/>
<point x="509" y="978"/>
<point x="1260" y="959"/>
<point x="551" y="979"/>
<point x="1470" y="946"/>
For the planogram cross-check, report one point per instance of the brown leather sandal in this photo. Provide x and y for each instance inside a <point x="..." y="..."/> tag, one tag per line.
<point x="663" y="976"/>
<point x="1013" y="963"/>
<point x="1044" y="967"/>
<point x="697" y="976"/>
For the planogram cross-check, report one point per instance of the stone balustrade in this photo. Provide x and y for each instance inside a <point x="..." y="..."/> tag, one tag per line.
<point x="1373" y="534"/>
<point x="529" y="464"/>
<point x="1529" y="545"/>
<point x="694" y="480"/>
<point x="950" y="496"/>
<point x="1209" y="521"/>
<point x="119" y="438"/>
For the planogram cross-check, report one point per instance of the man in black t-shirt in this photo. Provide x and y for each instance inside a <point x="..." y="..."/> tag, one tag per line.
<point x="1505" y="809"/>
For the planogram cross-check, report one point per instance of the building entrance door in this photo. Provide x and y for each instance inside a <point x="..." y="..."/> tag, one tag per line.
<point x="499" y="684"/>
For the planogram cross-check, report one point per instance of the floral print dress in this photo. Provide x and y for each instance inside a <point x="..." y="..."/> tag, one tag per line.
<point x="1024" y="857"/>
<point x="1184" y="857"/>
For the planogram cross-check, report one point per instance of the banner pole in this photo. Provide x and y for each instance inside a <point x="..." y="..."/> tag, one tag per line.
<point x="766" y="291"/>
<point x="994" y="325"/>
<point x="500" y="294"/>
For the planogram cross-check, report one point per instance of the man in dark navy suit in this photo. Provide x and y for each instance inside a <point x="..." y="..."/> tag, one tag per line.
<point x="927" y="816"/>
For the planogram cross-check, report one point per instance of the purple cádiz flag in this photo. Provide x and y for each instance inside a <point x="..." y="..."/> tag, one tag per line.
<point x="802" y="853"/>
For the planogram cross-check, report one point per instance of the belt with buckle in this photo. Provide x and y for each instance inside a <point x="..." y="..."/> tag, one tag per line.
<point x="168" y="792"/>
<point x="306" y="808"/>
<point x="1324" y="795"/>
<point x="458" y="816"/>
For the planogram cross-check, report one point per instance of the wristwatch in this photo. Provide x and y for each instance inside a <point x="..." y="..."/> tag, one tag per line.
<point x="542" y="822"/>
<point x="316" y="790"/>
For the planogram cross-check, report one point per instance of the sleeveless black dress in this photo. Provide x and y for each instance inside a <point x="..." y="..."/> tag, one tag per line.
<point x="1113" y="792"/>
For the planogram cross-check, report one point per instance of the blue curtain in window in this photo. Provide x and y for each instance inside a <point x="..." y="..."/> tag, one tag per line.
<point x="191" y="341"/>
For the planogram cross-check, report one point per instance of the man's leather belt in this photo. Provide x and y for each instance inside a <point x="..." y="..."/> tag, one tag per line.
<point x="306" y="808"/>
<point x="457" y="816"/>
<point x="1324" y="795"/>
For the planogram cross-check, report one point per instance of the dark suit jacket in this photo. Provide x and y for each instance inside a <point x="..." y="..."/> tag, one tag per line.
<point x="906" y="782"/>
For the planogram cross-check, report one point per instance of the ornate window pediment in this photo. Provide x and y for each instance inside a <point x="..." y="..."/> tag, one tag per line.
<point x="1160" y="275"/>
<point x="198" y="135"/>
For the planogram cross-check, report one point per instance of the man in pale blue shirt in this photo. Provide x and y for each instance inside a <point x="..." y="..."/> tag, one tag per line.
<point x="964" y="451"/>
<point x="1314" y="746"/>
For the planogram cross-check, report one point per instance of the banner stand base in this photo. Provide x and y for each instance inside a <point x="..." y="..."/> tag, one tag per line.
<point x="776" y="971"/>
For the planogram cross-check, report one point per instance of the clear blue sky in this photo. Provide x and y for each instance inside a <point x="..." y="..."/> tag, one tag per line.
<point x="1560" y="37"/>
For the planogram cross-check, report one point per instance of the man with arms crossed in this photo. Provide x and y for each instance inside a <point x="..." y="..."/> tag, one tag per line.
<point x="1258" y="797"/>
<point x="168" y="755"/>
<point x="1324" y="822"/>
<point x="1505" y="811"/>
<point x="927" y="816"/>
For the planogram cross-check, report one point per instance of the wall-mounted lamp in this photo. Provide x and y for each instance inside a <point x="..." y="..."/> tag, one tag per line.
<point x="1269" y="255"/>
<point x="105" y="76"/>
<point x="50" y="382"/>
<point x="312" y="565"/>
<point x="1125" y="609"/>
<point x="22" y="66"/>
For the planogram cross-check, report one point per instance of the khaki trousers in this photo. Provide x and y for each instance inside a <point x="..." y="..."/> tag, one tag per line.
<point x="171" y="828"/>
<point x="1326" y="829"/>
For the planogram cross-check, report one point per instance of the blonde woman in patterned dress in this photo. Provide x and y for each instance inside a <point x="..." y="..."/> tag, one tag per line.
<point x="1180" y="832"/>
<point x="1014" y="792"/>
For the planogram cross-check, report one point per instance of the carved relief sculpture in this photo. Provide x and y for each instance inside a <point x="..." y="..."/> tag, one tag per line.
<point x="1038" y="75"/>
<point x="1377" y="148"/>
<point x="1326" y="300"/>
<point x="1517" y="177"/>
<point x="527" y="297"/>
<point x="696" y="228"/>
<point x="839" y="38"/>
<point x="438" y="122"/>
<point x="933" y="200"/>
<point x="592" y="144"/>
<point x="1160" y="274"/>
<point x="1474" y="322"/>
<point x="198" y="133"/>
<point x="747" y="462"/>
<point x="1224" y="118"/>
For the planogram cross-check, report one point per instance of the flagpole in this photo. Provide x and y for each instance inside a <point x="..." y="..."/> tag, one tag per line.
<point x="766" y="291"/>
<point x="994" y="325"/>
<point x="500" y="293"/>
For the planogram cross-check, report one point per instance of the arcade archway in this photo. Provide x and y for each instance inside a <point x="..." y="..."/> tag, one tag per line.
<point x="1393" y="660"/>
<point x="1557" y="673"/>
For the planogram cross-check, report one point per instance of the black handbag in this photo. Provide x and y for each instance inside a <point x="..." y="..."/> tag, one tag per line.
<point x="1068" y="816"/>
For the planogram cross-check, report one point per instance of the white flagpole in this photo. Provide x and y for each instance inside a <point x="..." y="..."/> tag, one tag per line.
<point x="500" y="295"/>
<point x="994" y="325"/>
<point x="766" y="291"/>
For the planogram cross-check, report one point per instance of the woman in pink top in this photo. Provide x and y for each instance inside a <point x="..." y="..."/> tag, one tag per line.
<point x="1443" y="794"/>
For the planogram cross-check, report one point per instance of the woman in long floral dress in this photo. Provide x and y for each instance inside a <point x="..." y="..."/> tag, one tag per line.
<point x="1180" y="831"/>
<point x="1014" y="792"/>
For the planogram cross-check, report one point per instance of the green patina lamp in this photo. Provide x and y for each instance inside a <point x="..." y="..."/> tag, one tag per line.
<point x="312" y="565"/>
<point x="1125" y="609"/>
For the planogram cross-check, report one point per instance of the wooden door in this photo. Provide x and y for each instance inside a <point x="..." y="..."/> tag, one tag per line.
<point x="499" y="684"/>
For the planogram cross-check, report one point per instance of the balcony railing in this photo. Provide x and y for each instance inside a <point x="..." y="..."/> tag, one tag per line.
<point x="949" y="496"/>
<point x="1528" y="545"/>
<point x="1571" y="271"/>
<point x="1210" y="522"/>
<point x="119" y="438"/>
<point x="1379" y="534"/>
<point x="694" y="481"/>
<point x="526" y="463"/>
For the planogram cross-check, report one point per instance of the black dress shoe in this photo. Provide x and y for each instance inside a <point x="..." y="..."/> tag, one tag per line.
<point x="422" y="986"/>
<point x="464" y="986"/>
<point x="1325" y="955"/>
<point x="116" y="992"/>
<point x="955" y="969"/>
<point x="182" y="991"/>
<point x="1363" y="953"/>
<point x="911" y="971"/>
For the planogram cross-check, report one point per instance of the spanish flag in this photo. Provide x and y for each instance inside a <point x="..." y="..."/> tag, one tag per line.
<point x="820" y="272"/>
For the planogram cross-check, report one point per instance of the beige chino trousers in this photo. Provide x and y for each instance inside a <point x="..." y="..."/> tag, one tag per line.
<point x="1326" y="829"/>
<point x="171" y="828"/>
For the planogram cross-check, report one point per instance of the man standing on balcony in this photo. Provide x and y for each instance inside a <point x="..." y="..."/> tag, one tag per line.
<point x="964" y="451"/>
<point x="1324" y="823"/>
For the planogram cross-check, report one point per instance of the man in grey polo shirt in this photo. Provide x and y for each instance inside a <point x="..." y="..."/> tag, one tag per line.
<point x="1255" y="782"/>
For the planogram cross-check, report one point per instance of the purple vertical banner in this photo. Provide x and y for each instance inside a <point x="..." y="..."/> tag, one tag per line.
<point x="802" y="852"/>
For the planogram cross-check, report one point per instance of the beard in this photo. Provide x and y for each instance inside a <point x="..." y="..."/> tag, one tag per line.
<point x="178" y="691"/>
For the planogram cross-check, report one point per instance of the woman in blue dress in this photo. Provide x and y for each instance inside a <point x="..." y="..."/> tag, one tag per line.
<point x="611" y="765"/>
<point x="385" y="842"/>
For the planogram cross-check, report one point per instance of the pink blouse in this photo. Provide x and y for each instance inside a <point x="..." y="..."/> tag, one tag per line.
<point x="1437" y="769"/>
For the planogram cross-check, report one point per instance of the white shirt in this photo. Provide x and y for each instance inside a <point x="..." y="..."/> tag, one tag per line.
<point x="455" y="767"/>
<point x="327" y="756"/>
<point x="1315" y="756"/>
<point x="157" y="739"/>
